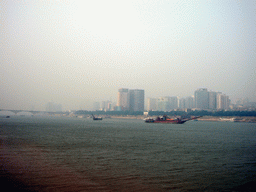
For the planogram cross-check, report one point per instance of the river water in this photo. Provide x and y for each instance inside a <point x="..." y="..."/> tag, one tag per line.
<point x="71" y="154"/>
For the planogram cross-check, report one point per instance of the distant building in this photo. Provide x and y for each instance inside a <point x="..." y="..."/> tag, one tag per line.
<point x="109" y="108"/>
<point x="106" y="105"/>
<point x="136" y="100"/>
<point x="222" y="101"/>
<point x="132" y="99"/>
<point x="202" y="98"/>
<point x="182" y="103"/>
<point x="163" y="104"/>
<point x="151" y="104"/>
<point x="212" y="100"/>
<point x="123" y="99"/>
<point x="190" y="102"/>
<point x="174" y="102"/>
<point x="241" y="101"/>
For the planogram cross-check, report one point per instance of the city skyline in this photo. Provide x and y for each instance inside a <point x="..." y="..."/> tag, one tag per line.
<point x="78" y="52"/>
<point x="115" y="103"/>
<point x="203" y="99"/>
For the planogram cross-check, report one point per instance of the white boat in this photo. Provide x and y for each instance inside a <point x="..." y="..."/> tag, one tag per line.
<point x="226" y="119"/>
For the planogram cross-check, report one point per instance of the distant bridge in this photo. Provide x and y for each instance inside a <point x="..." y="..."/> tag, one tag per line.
<point x="33" y="112"/>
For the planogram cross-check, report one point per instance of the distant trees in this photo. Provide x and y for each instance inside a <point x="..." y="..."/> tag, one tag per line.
<point x="119" y="113"/>
<point x="171" y="113"/>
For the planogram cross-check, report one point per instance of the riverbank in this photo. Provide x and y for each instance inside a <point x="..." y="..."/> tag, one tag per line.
<point x="204" y="118"/>
<point x="232" y="119"/>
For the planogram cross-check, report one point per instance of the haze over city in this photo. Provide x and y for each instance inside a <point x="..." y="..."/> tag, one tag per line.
<point x="77" y="52"/>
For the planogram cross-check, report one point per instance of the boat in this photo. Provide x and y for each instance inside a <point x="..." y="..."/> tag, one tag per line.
<point x="166" y="119"/>
<point x="1" y="116"/>
<point x="96" y="118"/>
<point x="227" y="119"/>
<point x="149" y="120"/>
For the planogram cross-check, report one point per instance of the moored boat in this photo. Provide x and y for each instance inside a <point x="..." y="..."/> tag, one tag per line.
<point x="166" y="119"/>
<point x="227" y="119"/>
<point x="96" y="118"/>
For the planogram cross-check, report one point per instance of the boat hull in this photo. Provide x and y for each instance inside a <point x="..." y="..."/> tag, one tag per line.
<point x="97" y="119"/>
<point x="167" y="122"/>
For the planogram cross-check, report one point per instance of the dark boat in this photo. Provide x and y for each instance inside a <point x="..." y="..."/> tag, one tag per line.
<point x="166" y="119"/>
<point x="96" y="118"/>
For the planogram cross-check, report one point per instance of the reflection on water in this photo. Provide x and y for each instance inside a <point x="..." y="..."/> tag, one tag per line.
<point x="66" y="154"/>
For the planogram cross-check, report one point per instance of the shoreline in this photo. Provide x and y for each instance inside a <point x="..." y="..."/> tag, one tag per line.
<point x="228" y="118"/>
<point x="244" y="119"/>
<point x="204" y="118"/>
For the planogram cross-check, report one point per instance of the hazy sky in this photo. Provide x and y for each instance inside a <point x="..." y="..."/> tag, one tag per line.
<point x="75" y="52"/>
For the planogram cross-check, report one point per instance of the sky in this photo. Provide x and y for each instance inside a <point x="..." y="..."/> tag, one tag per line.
<point x="76" y="52"/>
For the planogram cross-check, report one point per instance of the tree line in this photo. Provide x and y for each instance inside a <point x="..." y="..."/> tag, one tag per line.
<point x="170" y="113"/>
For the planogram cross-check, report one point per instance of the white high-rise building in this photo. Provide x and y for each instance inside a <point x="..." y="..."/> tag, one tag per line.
<point x="222" y="101"/>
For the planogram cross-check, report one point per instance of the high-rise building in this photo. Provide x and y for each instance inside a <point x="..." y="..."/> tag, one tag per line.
<point x="123" y="99"/>
<point x="202" y="98"/>
<point x="136" y="100"/>
<point x="222" y="101"/>
<point x="182" y="103"/>
<point x="174" y="102"/>
<point x="212" y="100"/>
<point x="189" y="102"/>
<point x="151" y="104"/>
<point x="106" y="105"/>
<point x="132" y="100"/>
<point x="163" y="104"/>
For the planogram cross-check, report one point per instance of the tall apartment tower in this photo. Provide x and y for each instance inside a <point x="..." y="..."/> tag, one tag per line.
<point x="151" y="104"/>
<point x="189" y="102"/>
<point x="136" y="99"/>
<point x="106" y="105"/>
<point x="123" y="99"/>
<point x="202" y="98"/>
<point x="174" y="102"/>
<point x="222" y="101"/>
<point x="212" y="100"/>
<point x="182" y="103"/>
<point x="163" y="104"/>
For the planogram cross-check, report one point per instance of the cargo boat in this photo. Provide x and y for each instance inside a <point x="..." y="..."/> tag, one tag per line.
<point x="166" y="119"/>
<point x="96" y="118"/>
